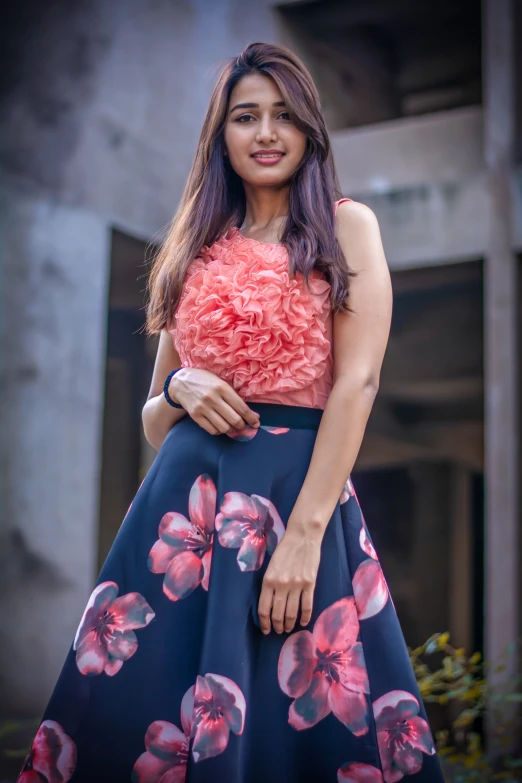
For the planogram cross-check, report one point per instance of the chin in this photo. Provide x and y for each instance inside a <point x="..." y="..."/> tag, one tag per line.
<point x="267" y="178"/>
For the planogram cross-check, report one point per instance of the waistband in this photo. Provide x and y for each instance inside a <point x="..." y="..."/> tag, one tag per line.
<point x="275" y="415"/>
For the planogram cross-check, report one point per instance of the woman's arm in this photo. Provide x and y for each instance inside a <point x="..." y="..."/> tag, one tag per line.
<point x="210" y="401"/>
<point x="359" y="344"/>
<point x="158" y="416"/>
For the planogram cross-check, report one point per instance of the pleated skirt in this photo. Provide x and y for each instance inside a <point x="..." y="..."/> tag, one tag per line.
<point x="169" y="678"/>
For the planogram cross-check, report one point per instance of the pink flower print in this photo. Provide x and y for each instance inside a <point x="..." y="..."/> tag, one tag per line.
<point x="348" y="491"/>
<point x="250" y="523"/>
<point x="105" y="637"/>
<point x="356" y="772"/>
<point x="370" y="588"/>
<point x="248" y="432"/>
<point x="325" y="671"/>
<point x="52" y="758"/>
<point x="402" y="735"/>
<point x="165" y="760"/>
<point x="364" y="541"/>
<point x="219" y="708"/>
<point x="183" y="551"/>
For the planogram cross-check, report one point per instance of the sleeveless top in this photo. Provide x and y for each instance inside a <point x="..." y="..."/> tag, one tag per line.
<point x="242" y="317"/>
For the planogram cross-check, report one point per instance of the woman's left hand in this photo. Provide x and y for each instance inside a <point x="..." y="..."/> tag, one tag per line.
<point x="289" y="581"/>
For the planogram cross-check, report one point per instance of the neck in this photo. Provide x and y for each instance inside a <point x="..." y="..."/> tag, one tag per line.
<point x="266" y="208"/>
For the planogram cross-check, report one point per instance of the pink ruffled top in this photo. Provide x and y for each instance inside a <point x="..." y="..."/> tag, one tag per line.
<point x="244" y="318"/>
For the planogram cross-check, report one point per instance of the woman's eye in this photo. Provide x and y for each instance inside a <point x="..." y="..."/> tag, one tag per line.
<point x="246" y="117"/>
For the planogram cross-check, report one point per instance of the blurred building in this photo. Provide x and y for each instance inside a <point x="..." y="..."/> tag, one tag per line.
<point x="102" y="105"/>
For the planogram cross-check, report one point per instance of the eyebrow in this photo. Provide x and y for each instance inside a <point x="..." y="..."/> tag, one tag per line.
<point x="254" y="105"/>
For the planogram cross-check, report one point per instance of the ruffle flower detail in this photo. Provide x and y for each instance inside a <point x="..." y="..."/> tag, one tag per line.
<point x="243" y="318"/>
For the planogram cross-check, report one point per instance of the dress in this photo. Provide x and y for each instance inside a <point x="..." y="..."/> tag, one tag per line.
<point x="169" y="678"/>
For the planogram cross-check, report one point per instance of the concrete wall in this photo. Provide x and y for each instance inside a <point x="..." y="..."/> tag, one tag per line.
<point x="426" y="181"/>
<point x="444" y="147"/>
<point x="53" y="328"/>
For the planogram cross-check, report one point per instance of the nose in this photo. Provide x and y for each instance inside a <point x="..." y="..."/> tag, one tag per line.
<point x="266" y="131"/>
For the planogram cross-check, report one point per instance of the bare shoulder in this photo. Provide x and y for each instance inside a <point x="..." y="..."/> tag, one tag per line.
<point x="358" y="233"/>
<point x="355" y="216"/>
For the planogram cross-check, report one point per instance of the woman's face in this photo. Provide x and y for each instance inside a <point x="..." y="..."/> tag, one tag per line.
<point x="257" y="123"/>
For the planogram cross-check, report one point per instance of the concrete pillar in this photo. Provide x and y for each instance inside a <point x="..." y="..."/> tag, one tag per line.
<point x="53" y="308"/>
<point x="502" y="615"/>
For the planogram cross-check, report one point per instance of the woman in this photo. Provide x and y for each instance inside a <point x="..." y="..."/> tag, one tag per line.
<point x="241" y="629"/>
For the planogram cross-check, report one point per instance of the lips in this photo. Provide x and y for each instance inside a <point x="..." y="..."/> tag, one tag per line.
<point x="268" y="157"/>
<point x="268" y="154"/>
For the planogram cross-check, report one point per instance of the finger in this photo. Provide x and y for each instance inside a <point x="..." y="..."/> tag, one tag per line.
<point x="218" y="421"/>
<point x="230" y="415"/>
<point x="292" y="609"/>
<point x="240" y="406"/>
<point x="207" y="425"/>
<point x="264" y="607"/>
<point x="278" y="611"/>
<point x="307" y="603"/>
<point x="252" y="417"/>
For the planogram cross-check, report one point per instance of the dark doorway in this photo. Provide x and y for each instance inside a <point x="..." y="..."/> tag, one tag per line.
<point x="130" y="358"/>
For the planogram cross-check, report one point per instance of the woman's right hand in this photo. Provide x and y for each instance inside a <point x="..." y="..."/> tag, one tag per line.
<point x="211" y="401"/>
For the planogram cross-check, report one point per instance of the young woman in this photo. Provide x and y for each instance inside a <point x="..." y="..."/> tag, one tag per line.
<point x="241" y="629"/>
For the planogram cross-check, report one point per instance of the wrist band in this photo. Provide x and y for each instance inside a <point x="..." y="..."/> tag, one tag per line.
<point x="166" y="389"/>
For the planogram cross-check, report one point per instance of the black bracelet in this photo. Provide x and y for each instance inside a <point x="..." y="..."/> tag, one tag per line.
<point x="166" y="389"/>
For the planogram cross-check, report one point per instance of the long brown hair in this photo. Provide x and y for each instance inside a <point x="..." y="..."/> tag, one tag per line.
<point x="214" y="199"/>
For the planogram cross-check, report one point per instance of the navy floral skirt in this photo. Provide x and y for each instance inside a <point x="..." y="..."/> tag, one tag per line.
<point x="169" y="678"/>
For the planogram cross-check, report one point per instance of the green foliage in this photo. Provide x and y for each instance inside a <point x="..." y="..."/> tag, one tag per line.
<point x="464" y="684"/>
<point x="10" y="728"/>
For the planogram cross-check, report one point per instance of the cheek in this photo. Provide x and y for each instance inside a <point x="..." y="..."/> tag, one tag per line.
<point x="295" y="143"/>
<point x="238" y="141"/>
